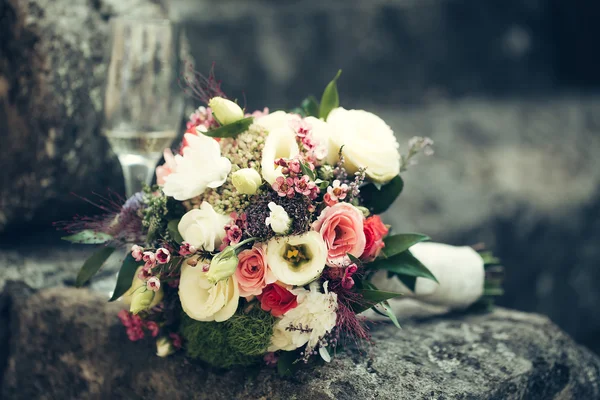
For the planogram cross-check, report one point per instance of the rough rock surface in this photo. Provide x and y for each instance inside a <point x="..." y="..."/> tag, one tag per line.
<point x="52" y="71"/>
<point x="68" y="335"/>
<point x="523" y="177"/>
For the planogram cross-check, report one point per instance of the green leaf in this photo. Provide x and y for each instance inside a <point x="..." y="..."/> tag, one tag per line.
<point x="409" y="281"/>
<point x="88" y="236"/>
<point x="371" y="297"/>
<point x="92" y="265"/>
<point x="354" y="259"/>
<point x="403" y="264"/>
<point x="321" y="184"/>
<point x="125" y="277"/>
<point x="310" y="105"/>
<point x="299" y="111"/>
<point x="330" y="98"/>
<point x="307" y="171"/>
<point x="231" y="130"/>
<point x="172" y="228"/>
<point x="379" y="200"/>
<point x="288" y="364"/>
<point x="493" y="291"/>
<point x="397" y="244"/>
<point x="389" y="313"/>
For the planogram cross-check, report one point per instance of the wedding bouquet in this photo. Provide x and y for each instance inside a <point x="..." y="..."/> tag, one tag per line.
<point x="263" y="238"/>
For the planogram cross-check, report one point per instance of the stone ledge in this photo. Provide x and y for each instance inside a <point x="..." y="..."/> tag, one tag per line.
<point x="68" y="344"/>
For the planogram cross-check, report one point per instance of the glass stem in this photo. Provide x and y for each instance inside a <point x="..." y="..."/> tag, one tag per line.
<point x="137" y="171"/>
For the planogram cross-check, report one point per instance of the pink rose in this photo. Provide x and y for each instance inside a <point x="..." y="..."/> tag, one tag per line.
<point x="278" y="300"/>
<point x="252" y="272"/>
<point x="375" y="230"/>
<point x="341" y="227"/>
<point x="162" y="171"/>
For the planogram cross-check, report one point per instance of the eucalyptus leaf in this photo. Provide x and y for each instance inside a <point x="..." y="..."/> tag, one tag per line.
<point x="310" y="105"/>
<point x="173" y="229"/>
<point x="93" y="264"/>
<point x="399" y="243"/>
<point x="230" y="130"/>
<point x="88" y="236"/>
<point x="403" y="264"/>
<point x="380" y="199"/>
<point x="330" y="98"/>
<point x="125" y="277"/>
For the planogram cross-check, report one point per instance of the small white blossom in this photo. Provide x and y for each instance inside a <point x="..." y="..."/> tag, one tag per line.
<point x="278" y="219"/>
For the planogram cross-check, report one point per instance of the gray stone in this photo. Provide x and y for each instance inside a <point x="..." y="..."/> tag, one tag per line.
<point x="523" y="177"/>
<point x="52" y="71"/>
<point x="391" y="52"/>
<point x="68" y="344"/>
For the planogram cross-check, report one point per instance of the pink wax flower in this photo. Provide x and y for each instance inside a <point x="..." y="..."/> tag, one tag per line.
<point x="163" y="255"/>
<point x="341" y="227"/>
<point x="137" y="252"/>
<point x="176" y="339"/>
<point x="133" y="325"/>
<point x="252" y="272"/>
<point x="375" y="231"/>
<point x="233" y="234"/>
<point x="284" y="186"/>
<point x="162" y="171"/>
<point x="153" y="328"/>
<point x="149" y="258"/>
<point x="153" y="284"/>
<point x="186" y="249"/>
<point x="258" y="113"/>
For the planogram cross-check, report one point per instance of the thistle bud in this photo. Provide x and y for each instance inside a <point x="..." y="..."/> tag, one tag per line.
<point x="246" y="180"/>
<point x="225" y="111"/>
<point x="223" y="265"/>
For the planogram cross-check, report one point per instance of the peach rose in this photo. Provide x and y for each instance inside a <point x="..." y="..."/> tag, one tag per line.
<point x="341" y="227"/>
<point x="252" y="272"/>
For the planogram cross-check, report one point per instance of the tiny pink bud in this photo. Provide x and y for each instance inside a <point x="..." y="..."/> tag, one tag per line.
<point x="352" y="268"/>
<point x="347" y="283"/>
<point x="153" y="284"/>
<point x="205" y="267"/>
<point x="163" y="255"/>
<point x="137" y="252"/>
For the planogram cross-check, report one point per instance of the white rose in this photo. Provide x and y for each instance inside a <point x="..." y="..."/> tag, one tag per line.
<point x="278" y="219"/>
<point x="203" y="228"/>
<point x="276" y="120"/>
<point x="315" y="313"/>
<point x="225" y="111"/>
<point x="297" y="260"/>
<point x="280" y="143"/>
<point x="246" y="180"/>
<point x="204" y="301"/>
<point x="459" y="271"/>
<point x="200" y="167"/>
<point x="368" y="142"/>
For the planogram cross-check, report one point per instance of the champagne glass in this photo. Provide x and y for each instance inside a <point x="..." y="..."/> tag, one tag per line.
<point x="143" y="103"/>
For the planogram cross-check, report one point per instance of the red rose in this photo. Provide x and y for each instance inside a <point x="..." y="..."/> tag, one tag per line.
<point x="375" y="231"/>
<point x="277" y="299"/>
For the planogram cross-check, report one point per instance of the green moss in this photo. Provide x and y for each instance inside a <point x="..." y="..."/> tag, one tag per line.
<point x="238" y="341"/>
